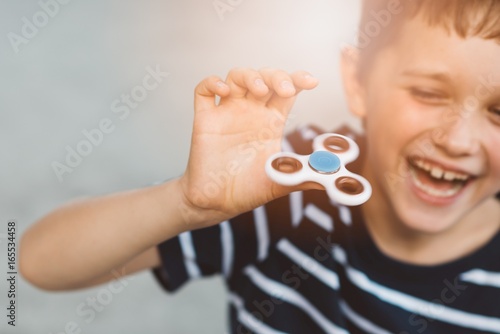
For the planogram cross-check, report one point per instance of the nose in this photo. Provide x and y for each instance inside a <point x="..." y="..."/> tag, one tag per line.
<point x="459" y="137"/>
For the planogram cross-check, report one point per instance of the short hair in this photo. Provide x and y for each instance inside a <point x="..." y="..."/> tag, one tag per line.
<point x="467" y="18"/>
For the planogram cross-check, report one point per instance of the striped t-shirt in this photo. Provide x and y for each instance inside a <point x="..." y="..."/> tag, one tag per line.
<point x="302" y="264"/>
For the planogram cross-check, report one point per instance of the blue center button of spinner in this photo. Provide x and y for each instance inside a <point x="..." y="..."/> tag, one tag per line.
<point x="324" y="162"/>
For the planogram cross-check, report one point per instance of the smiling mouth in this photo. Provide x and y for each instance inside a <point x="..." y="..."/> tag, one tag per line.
<point x="434" y="180"/>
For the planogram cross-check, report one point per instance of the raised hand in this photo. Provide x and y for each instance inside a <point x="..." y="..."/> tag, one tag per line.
<point x="232" y="140"/>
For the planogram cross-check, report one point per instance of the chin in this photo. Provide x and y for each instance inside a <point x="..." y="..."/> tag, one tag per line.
<point x="427" y="224"/>
<point x="424" y="219"/>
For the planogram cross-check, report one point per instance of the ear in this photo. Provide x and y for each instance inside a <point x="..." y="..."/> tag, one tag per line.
<point x="354" y="90"/>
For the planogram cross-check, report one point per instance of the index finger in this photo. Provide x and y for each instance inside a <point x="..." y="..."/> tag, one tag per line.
<point x="206" y="91"/>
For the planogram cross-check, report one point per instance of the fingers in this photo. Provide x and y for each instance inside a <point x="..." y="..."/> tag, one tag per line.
<point x="264" y="84"/>
<point x="280" y="84"/>
<point x="205" y="92"/>
<point x="243" y="82"/>
<point x="286" y="87"/>
<point x="304" y="81"/>
<point x="280" y="190"/>
<point x="275" y="88"/>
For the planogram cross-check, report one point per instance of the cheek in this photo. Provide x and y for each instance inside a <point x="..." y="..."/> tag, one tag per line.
<point x="494" y="166"/>
<point x="488" y="135"/>
<point x="392" y="121"/>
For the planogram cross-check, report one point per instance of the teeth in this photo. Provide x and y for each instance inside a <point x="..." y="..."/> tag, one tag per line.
<point x="423" y="165"/>
<point x="450" y="176"/>
<point x="439" y="173"/>
<point x="432" y="191"/>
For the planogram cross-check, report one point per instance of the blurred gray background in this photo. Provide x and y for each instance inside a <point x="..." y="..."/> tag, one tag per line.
<point x="65" y="77"/>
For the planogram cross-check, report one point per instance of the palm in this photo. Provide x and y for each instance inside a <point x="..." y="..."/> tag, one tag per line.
<point x="229" y="149"/>
<point x="230" y="145"/>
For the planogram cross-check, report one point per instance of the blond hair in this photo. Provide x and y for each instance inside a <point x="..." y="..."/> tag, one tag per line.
<point x="466" y="18"/>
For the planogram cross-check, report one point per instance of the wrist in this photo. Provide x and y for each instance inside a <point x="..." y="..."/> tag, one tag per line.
<point x="190" y="215"/>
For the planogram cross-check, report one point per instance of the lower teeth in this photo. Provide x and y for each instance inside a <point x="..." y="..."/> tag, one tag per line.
<point x="432" y="191"/>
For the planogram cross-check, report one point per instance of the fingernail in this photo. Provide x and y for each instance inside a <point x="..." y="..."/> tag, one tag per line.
<point x="287" y="85"/>
<point x="259" y="82"/>
<point x="311" y="78"/>
<point x="221" y="84"/>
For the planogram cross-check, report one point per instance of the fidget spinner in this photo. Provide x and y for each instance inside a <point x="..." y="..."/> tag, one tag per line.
<point x="326" y="166"/>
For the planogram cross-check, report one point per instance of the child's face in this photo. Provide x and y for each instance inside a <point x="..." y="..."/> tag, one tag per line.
<point x="431" y="104"/>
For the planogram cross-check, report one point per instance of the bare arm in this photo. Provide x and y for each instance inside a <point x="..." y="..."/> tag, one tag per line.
<point x="81" y="243"/>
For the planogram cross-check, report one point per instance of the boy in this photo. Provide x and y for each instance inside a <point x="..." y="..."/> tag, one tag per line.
<point x="421" y="256"/>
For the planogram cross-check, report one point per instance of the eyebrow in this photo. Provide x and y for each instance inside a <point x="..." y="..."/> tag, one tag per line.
<point x="430" y="74"/>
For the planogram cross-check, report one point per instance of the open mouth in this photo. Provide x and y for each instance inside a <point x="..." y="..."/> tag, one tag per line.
<point x="435" y="180"/>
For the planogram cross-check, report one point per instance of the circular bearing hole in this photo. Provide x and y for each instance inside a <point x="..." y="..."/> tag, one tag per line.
<point x="287" y="165"/>
<point x="349" y="185"/>
<point x="336" y="144"/>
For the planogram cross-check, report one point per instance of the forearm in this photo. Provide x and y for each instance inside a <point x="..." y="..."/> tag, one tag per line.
<point x="87" y="239"/>
<point x="82" y="242"/>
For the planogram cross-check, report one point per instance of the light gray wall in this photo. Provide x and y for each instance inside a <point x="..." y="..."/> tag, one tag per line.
<point x="65" y="77"/>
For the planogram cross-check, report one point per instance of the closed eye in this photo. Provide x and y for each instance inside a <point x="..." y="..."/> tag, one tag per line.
<point x="427" y="96"/>
<point x="494" y="113"/>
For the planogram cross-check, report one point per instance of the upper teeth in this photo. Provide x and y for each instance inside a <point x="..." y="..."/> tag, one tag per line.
<point x="438" y="173"/>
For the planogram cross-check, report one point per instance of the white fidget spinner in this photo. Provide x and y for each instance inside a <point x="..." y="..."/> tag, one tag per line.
<point x="326" y="166"/>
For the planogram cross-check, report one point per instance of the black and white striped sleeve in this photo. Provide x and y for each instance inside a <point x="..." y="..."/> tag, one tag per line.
<point x="221" y="249"/>
<point x="232" y="245"/>
<point x="193" y="254"/>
